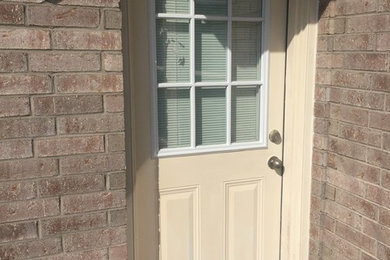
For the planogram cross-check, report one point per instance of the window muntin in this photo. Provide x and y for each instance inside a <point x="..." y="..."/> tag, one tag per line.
<point x="210" y="54"/>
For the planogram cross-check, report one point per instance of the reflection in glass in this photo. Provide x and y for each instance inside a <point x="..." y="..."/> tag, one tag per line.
<point x="173" y="50"/>
<point x="246" y="51"/>
<point x="210" y="51"/>
<point x="246" y="8"/>
<point x="210" y="116"/>
<point x="245" y="114"/>
<point x="174" y="118"/>
<point x="173" y="6"/>
<point x="211" y="7"/>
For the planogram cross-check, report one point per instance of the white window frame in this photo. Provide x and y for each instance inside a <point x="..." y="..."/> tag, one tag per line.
<point x="262" y="83"/>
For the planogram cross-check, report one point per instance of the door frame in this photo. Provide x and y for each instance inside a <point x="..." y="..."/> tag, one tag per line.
<point x="142" y="182"/>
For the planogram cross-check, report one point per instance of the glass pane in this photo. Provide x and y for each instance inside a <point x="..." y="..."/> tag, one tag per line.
<point x="211" y="7"/>
<point x="247" y="8"/>
<point x="173" y="50"/>
<point x="245" y="114"/>
<point x="246" y="51"/>
<point x="173" y="6"/>
<point x="210" y="116"/>
<point x="174" y="118"/>
<point x="210" y="51"/>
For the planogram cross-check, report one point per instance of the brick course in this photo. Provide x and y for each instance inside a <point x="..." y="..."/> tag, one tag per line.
<point x="350" y="175"/>
<point x="62" y="161"/>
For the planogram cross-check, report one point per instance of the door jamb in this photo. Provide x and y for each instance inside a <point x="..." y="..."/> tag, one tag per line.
<point x="299" y="104"/>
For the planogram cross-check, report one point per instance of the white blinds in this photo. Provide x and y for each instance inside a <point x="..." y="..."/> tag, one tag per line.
<point x="210" y="51"/>
<point x="210" y="116"/>
<point x="173" y="50"/>
<point x="202" y="85"/>
<point x="174" y="118"/>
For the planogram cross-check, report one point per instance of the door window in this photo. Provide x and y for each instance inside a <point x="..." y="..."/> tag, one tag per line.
<point x="210" y="77"/>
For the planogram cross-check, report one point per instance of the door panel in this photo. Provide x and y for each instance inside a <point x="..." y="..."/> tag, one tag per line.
<point x="226" y="205"/>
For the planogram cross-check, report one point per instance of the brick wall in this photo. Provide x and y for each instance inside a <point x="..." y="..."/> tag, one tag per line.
<point x="350" y="216"/>
<point x="62" y="162"/>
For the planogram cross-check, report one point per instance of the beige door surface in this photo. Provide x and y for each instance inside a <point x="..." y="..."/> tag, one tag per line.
<point x="226" y="205"/>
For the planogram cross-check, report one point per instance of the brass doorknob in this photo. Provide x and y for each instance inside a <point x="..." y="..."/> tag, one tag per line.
<point x="275" y="163"/>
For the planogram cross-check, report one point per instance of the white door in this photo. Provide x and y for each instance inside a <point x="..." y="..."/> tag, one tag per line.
<point x="219" y="88"/>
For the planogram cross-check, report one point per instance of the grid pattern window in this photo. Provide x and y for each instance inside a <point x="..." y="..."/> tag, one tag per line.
<point x="210" y="79"/>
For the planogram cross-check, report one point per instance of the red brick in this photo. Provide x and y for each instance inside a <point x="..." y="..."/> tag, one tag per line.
<point x="91" y="164"/>
<point x="116" y="142"/>
<point x="365" y="61"/>
<point x="114" y="103"/>
<point x="380" y="120"/>
<point x="378" y="195"/>
<point x="349" y="114"/>
<point x="321" y="126"/>
<point x="388" y="103"/>
<point x="331" y="26"/>
<point x="346" y="182"/>
<point x="102" y="3"/>
<point x="31" y="249"/>
<point x="14" y="106"/>
<point x="69" y="146"/>
<point x="340" y="245"/>
<point x="89" y="83"/>
<point x="357" y="204"/>
<point x="94" y="239"/>
<point x="60" y="225"/>
<point x="320" y="142"/>
<point x="381" y="82"/>
<point x="15" y="149"/>
<point x="118" y="217"/>
<point x="385" y="179"/>
<point x="112" y="61"/>
<point x="321" y="109"/>
<point x="319" y="158"/>
<point x="354" y="168"/>
<point x="87" y="40"/>
<point x="384" y="217"/>
<point x="329" y="223"/>
<point x="366" y="257"/>
<point x="383" y="42"/>
<point x="354" y="42"/>
<point x="26" y="127"/>
<point x="93" y="201"/>
<point x="112" y="19"/>
<point x="351" y="79"/>
<point x="60" y="105"/>
<point x="369" y="23"/>
<point x="71" y="185"/>
<point x="358" y="98"/>
<point x="379" y="158"/>
<point x="118" y="180"/>
<point x="20" y="38"/>
<point x="383" y="252"/>
<point x="343" y="214"/>
<point x="11" y="14"/>
<point x="321" y="93"/>
<point x="356" y="238"/>
<point x="19" y="231"/>
<point x="26" y="169"/>
<point x="386" y="141"/>
<point x="383" y="5"/>
<point x="346" y="148"/>
<point x="24" y="84"/>
<point x="376" y="231"/>
<point x="90" y="124"/>
<point x="17" y="191"/>
<point x="29" y="209"/>
<point x="360" y="134"/>
<point x="13" y="62"/>
<point x="323" y="76"/>
<point x="118" y="252"/>
<point x="92" y="254"/>
<point x="345" y="7"/>
<point x="68" y="62"/>
<point x="62" y="16"/>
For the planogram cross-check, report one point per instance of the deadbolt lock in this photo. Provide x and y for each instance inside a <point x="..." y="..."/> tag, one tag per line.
<point x="275" y="137"/>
